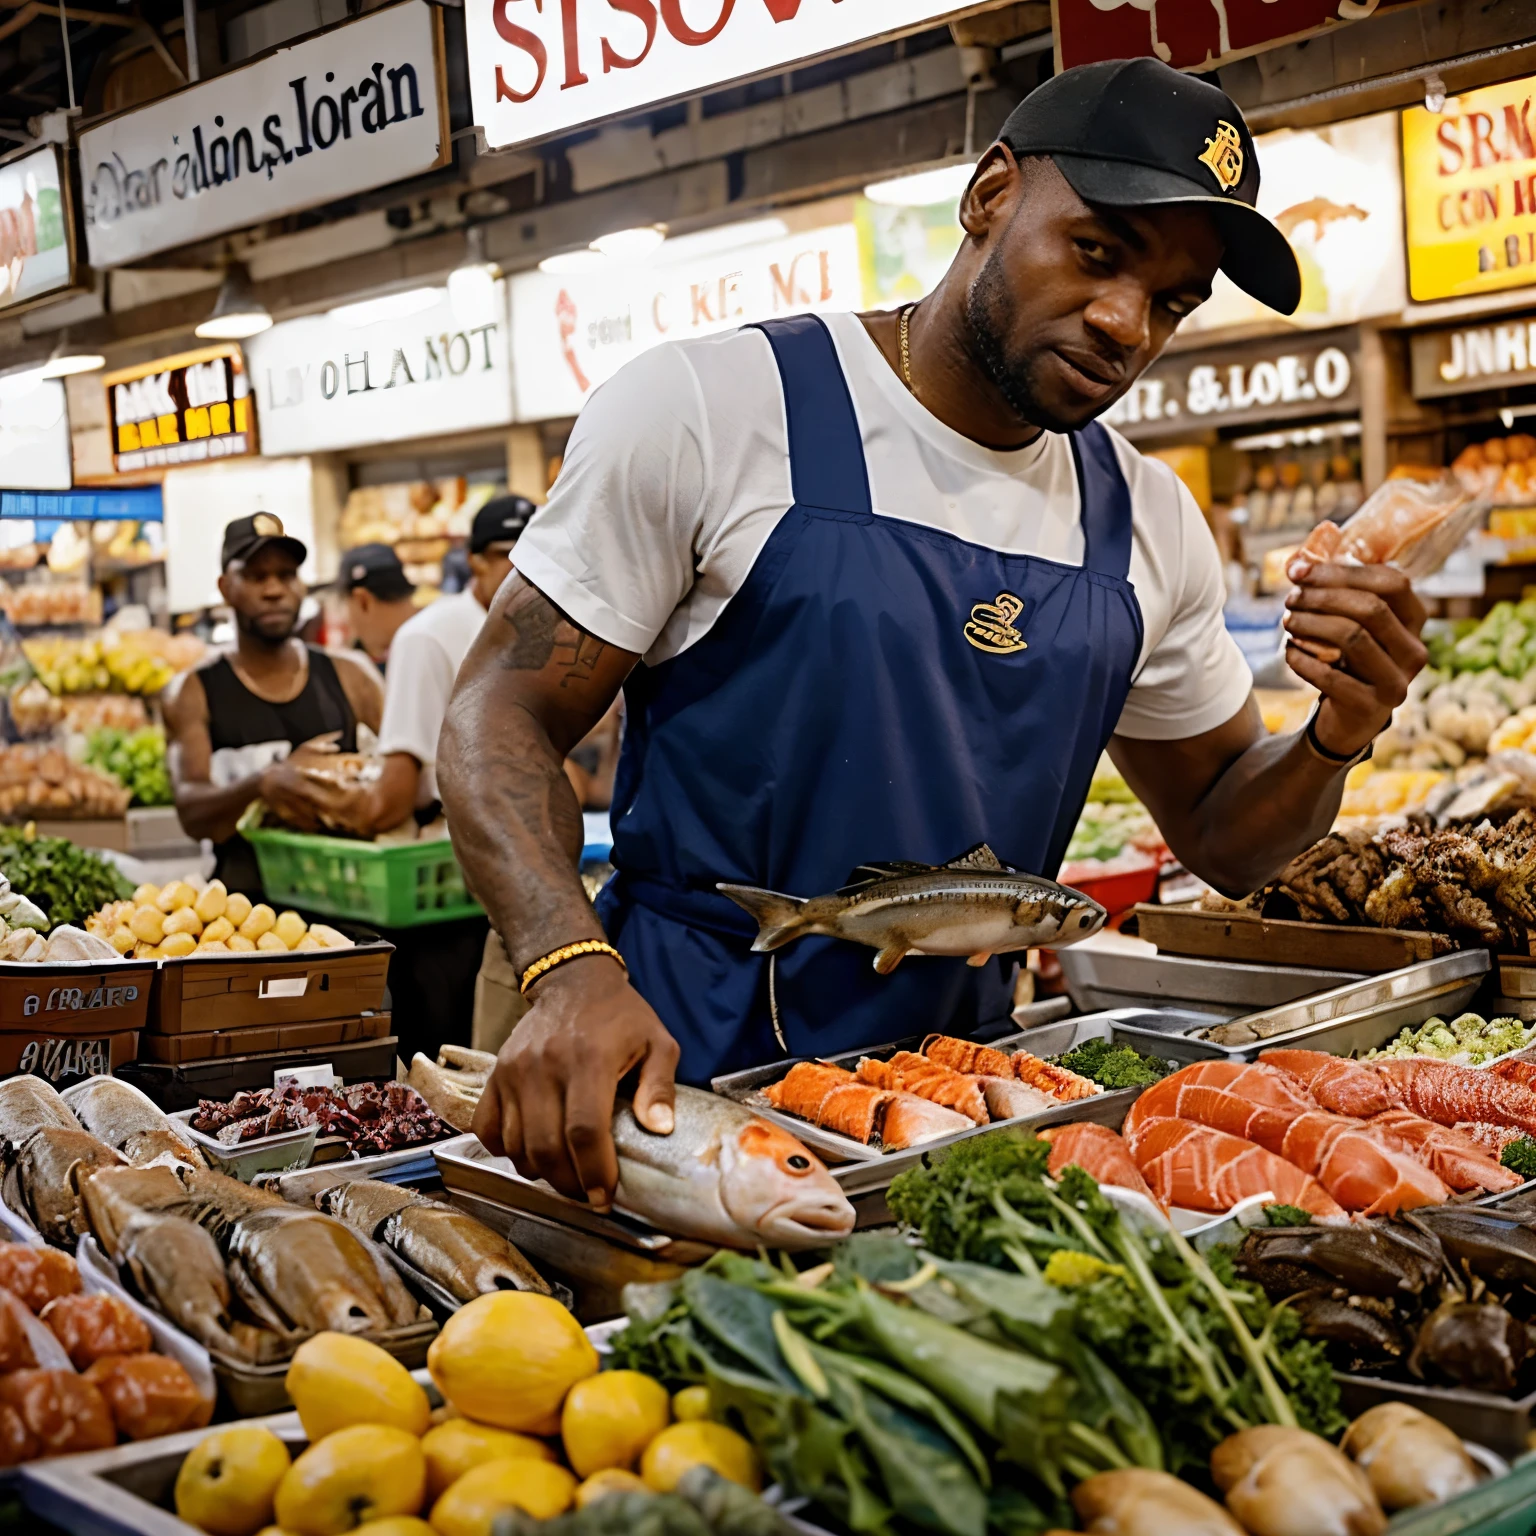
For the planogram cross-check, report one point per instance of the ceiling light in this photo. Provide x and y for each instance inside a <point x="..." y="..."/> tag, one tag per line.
<point x="923" y="189"/>
<point x="388" y="306"/>
<point x="570" y="263"/>
<point x="727" y="237"/>
<point x="472" y="284"/>
<point x="237" y="312"/>
<point x="62" y="362"/>
<point x="631" y="244"/>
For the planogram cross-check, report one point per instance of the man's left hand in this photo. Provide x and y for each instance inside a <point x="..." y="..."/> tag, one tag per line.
<point x="1371" y="615"/>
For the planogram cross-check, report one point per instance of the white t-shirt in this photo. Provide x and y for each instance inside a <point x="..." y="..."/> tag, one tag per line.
<point x="678" y="471"/>
<point x="424" y="660"/>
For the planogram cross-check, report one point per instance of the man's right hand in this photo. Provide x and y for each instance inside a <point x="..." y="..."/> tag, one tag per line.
<point x="549" y="1103"/>
<point x="290" y="794"/>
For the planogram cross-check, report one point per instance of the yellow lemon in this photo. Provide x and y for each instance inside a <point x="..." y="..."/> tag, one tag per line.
<point x="395" y="1525"/>
<point x="457" y="1446"/>
<point x="184" y="920"/>
<point x="337" y="1379"/>
<point x="227" y="1481"/>
<point x="218" y="931"/>
<point x="121" y="939"/>
<point x="609" y="1480"/>
<point x="258" y="921"/>
<point x="690" y="1403"/>
<point x="212" y="947"/>
<point x="147" y="925"/>
<point x="470" y="1507"/>
<point x="610" y="1418"/>
<point x="210" y="905"/>
<point x="240" y="944"/>
<point x="700" y="1443"/>
<point x="289" y="927"/>
<point x="145" y="895"/>
<point x="237" y="908"/>
<point x="270" y="942"/>
<point x="176" y="945"/>
<point x="175" y="896"/>
<point x="508" y="1359"/>
<point x="361" y="1473"/>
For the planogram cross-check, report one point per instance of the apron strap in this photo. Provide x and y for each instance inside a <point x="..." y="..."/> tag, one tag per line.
<point x="826" y="448"/>
<point x="1106" y="502"/>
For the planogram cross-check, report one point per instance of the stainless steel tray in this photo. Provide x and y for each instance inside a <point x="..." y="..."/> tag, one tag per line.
<point x="1356" y="1017"/>
<point x="1122" y="974"/>
<point x="1503" y="1424"/>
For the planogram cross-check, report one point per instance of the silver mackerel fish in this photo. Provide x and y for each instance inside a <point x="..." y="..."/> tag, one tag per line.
<point x="973" y="906"/>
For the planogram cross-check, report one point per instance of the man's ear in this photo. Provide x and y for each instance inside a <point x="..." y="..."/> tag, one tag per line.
<point x="991" y="193"/>
<point x="224" y="590"/>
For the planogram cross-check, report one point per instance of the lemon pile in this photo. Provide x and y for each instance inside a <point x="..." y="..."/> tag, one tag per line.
<point x="196" y="917"/>
<point x="518" y="1376"/>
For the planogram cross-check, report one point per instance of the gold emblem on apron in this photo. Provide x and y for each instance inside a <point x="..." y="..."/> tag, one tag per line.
<point x="1224" y="156"/>
<point x="990" y="627"/>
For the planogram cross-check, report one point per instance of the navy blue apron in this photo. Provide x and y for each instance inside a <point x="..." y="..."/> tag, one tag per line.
<point x="876" y="690"/>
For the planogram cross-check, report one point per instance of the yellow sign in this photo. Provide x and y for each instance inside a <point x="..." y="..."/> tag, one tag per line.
<point x="1469" y="185"/>
<point x="1224" y="156"/>
<point x="180" y="410"/>
<point x="990" y="627"/>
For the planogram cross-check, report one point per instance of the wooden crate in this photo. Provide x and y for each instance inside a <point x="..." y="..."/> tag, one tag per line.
<point x="206" y="994"/>
<point x="68" y="1022"/>
<point x="180" y="1085"/>
<point x="264" y="1037"/>
<point x="1277" y="941"/>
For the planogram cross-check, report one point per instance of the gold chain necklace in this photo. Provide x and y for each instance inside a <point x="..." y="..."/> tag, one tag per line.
<point x="904" y="330"/>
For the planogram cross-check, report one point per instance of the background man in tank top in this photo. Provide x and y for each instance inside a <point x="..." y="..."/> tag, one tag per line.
<point x="238" y="723"/>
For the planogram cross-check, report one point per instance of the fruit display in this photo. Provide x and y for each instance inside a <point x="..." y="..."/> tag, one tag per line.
<point x="197" y="916"/>
<point x="36" y="712"/>
<point x="136" y="759"/>
<point x="1371" y="794"/>
<point x="1501" y="470"/>
<point x="42" y="603"/>
<point x="138" y="662"/>
<point x="43" y="781"/>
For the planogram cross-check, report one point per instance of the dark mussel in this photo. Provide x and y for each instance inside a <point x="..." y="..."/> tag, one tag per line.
<point x="1359" y="1339"/>
<point x="1497" y="1248"/>
<point x="1379" y="1259"/>
<point x="1475" y="1344"/>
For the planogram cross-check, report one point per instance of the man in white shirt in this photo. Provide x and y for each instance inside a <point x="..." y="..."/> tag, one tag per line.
<point x="880" y="588"/>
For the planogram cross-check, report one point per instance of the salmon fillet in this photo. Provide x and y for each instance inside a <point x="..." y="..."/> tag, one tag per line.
<point x="1516" y="1071"/>
<point x="1239" y="1098"/>
<point x="908" y="1072"/>
<point x="1009" y="1099"/>
<point x="803" y="1088"/>
<point x="1099" y="1152"/>
<point x="1337" y="1083"/>
<point x="855" y="1109"/>
<point x="1491" y="1138"/>
<point x="1461" y="1160"/>
<point x="1064" y="1086"/>
<point x="1371" y="1174"/>
<point x="908" y="1121"/>
<point x="1448" y="1094"/>
<point x="967" y="1056"/>
<point x="1202" y="1169"/>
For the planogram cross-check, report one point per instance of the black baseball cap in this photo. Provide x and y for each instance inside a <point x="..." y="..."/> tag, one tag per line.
<point x="376" y="568"/>
<point x="500" y="521"/>
<point x="246" y="536"/>
<point x="1133" y="133"/>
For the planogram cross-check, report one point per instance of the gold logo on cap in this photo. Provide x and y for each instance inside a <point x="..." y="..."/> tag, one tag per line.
<point x="1224" y="156"/>
<point x="266" y="525"/>
<point x="990" y="627"/>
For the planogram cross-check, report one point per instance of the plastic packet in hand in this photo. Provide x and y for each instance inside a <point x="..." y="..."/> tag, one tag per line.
<point x="1411" y="524"/>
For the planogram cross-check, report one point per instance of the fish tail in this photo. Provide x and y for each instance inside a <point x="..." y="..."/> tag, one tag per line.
<point x="779" y="918"/>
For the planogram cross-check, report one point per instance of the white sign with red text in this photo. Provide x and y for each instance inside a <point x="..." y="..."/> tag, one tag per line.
<point x="572" y="333"/>
<point x="539" y="67"/>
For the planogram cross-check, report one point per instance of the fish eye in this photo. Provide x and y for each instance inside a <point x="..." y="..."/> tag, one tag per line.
<point x="798" y="1162"/>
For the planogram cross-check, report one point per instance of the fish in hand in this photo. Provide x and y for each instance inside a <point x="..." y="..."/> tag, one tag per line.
<point x="973" y="906"/>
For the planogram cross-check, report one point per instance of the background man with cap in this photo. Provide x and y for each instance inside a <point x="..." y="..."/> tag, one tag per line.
<point x="880" y="587"/>
<point x="379" y="598"/>
<point x="238" y="723"/>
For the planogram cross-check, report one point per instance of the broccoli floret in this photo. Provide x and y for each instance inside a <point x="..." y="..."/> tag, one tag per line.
<point x="1520" y="1156"/>
<point x="1287" y="1216"/>
<point x="1113" y="1066"/>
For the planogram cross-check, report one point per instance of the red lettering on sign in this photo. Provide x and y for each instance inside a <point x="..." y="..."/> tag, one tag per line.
<point x="519" y="37"/>
<point x="1517" y="132"/>
<point x="1483" y="152"/>
<point x="783" y="10"/>
<point x="1452" y="156"/>
<point x="645" y="11"/>
<point x="573" y="74"/>
<point x="672" y="14"/>
<point x="700" y="293"/>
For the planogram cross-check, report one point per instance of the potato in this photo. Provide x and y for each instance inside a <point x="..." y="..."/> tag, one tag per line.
<point x="270" y="943"/>
<point x="176" y="945"/>
<point x="329" y="938"/>
<point x="289" y="927"/>
<point x="213" y="947"/>
<point x="121" y="939"/>
<point x="148" y="925"/>
<point x="145" y="895"/>
<point x="237" y="908"/>
<point x="241" y="945"/>
<point x="184" y="920"/>
<point x="260" y="921"/>
<point x="218" y="931"/>
<point x="307" y="944"/>
<point x="146" y="951"/>
<point x="174" y="896"/>
<point x="212" y="902"/>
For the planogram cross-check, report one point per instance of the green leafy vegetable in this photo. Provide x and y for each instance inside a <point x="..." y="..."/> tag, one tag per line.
<point x="1287" y="1216"/>
<point x="1520" y="1155"/>
<point x="69" y="883"/>
<point x="1113" y="1066"/>
<point x="136" y="759"/>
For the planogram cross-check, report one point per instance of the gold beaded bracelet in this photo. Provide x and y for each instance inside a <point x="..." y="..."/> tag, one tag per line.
<point x="556" y="957"/>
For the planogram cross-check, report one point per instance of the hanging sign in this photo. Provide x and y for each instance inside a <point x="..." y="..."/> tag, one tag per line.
<point x="357" y="107"/>
<point x="1474" y="357"/>
<point x="1193" y="34"/>
<point x="323" y="384"/>
<point x="180" y="410"/>
<point x="571" y="333"/>
<point x="1270" y="380"/>
<point x="34" y="439"/>
<point x="37" y="228"/>
<point x="540" y="67"/>
<point x="1469" y="184"/>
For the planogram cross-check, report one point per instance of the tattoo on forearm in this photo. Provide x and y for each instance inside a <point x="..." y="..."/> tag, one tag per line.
<point x="542" y="634"/>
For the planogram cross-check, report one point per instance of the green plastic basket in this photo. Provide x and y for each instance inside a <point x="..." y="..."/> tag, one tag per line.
<point x="404" y="886"/>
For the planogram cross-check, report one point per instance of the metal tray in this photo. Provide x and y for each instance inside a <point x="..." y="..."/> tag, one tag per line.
<point x="243" y="1160"/>
<point x="1356" y="1017"/>
<point x="1133" y="973"/>
<point x="300" y="1186"/>
<point x="1503" y="1424"/>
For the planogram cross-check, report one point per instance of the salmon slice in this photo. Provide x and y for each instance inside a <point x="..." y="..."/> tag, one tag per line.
<point x="1395" y="518"/>
<point x="1064" y="1086"/>
<point x="908" y="1121"/>
<point x="1239" y="1098"/>
<point x="1461" y="1160"/>
<point x="801" y="1090"/>
<point x="1202" y="1169"/>
<point x="1323" y="542"/>
<point x="1448" y="1094"/>
<point x="1099" y="1152"/>
<point x="1346" y="1087"/>
<point x="1362" y="1172"/>
<point x="908" y="1072"/>
<point x="1008" y="1099"/>
<point x="1516" y="1071"/>
<point x="1491" y="1138"/>
<point x="966" y="1056"/>
<point x="854" y="1109"/>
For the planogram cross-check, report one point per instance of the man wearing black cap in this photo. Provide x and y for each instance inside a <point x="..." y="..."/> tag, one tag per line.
<point x="235" y="721"/>
<point x="882" y="588"/>
<point x="379" y="598"/>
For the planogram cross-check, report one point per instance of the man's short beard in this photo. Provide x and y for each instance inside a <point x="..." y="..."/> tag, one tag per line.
<point x="988" y="307"/>
<point x="249" y="631"/>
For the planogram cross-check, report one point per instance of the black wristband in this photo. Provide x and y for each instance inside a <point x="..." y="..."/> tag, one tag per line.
<point x="1324" y="753"/>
